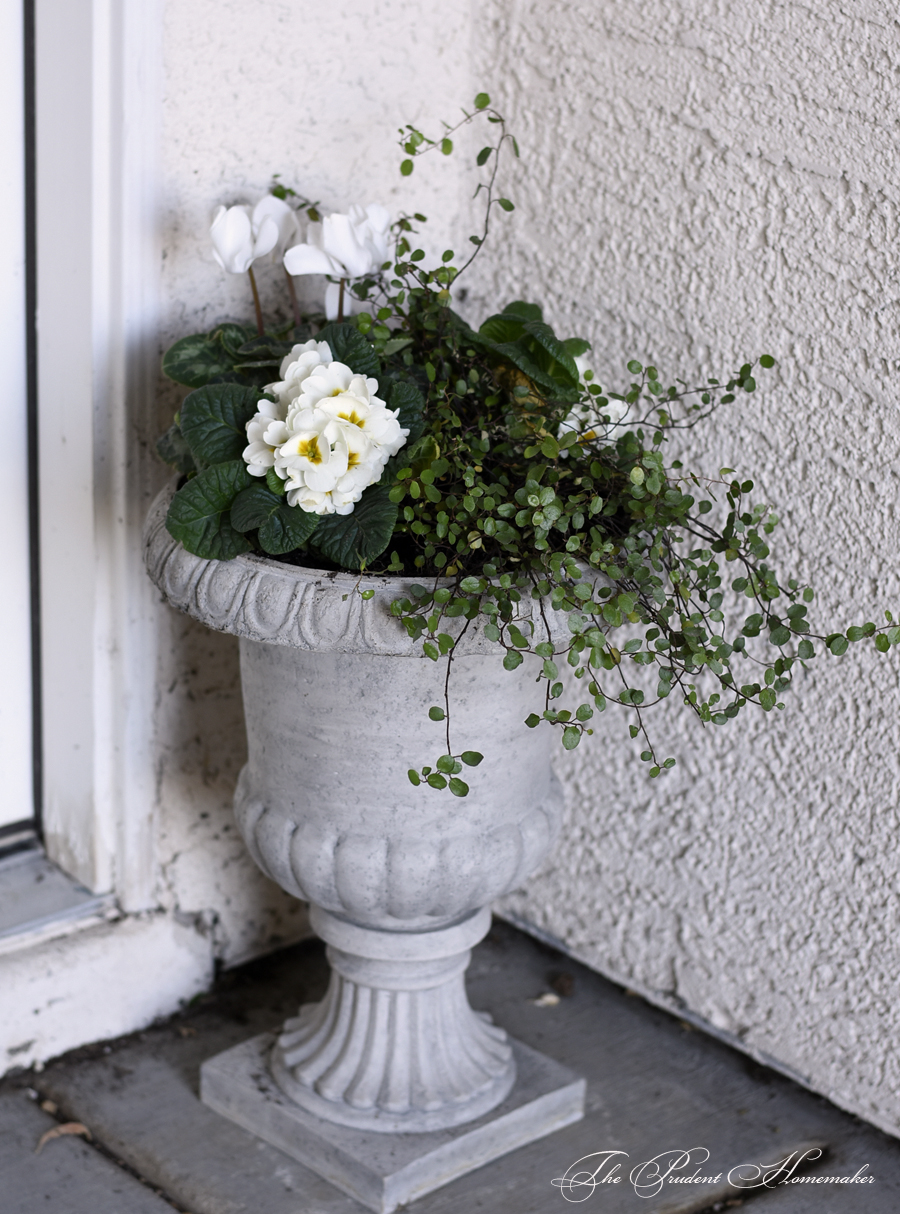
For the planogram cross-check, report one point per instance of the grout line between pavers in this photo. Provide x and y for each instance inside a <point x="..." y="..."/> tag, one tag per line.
<point x="101" y="1148"/>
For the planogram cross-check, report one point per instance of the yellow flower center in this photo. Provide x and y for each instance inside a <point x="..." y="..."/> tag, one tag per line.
<point x="352" y="417"/>
<point x="309" y="447"/>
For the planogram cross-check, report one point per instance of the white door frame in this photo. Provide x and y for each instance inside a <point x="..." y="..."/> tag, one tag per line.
<point x="98" y="97"/>
<point x="16" y="742"/>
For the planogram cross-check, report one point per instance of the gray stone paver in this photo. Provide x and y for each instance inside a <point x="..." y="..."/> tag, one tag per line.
<point x="652" y="1086"/>
<point x="68" y="1177"/>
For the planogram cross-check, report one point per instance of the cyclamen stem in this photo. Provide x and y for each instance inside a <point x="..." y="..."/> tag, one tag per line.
<point x="340" y="314"/>
<point x="260" y="327"/>
<point x="295" y="306"/>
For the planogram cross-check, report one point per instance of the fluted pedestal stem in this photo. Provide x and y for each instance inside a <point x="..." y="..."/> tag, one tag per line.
<point x="394" y="1045"/>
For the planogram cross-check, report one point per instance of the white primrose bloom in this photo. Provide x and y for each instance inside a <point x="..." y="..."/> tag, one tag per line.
<point x="332" y="442"/>
<point x="295" y="368"/>
<point x="239" y="238"/>
<point x="343" y="246"/>
<point x="267" y="431"/>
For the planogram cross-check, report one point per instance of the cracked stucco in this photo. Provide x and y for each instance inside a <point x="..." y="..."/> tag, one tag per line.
<point x="700" y="182"/>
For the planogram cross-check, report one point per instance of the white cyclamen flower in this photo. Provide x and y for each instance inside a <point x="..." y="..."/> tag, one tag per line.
<point x="343" y="246"/>
<point x="332" y="443"/>
<point x="285" y="218"/>
<point x="238" y="240"/>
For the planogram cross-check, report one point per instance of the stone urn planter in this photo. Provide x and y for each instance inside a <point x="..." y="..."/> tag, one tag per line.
<point x="392" y="1084"/>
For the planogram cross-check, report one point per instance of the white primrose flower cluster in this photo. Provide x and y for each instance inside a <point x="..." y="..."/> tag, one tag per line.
<point x="327" y="435"/>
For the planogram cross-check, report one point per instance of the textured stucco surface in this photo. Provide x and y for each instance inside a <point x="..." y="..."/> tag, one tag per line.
<point x="700" y="182"/>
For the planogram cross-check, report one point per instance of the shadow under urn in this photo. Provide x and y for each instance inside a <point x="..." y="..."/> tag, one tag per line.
<point x="399" y="878"/>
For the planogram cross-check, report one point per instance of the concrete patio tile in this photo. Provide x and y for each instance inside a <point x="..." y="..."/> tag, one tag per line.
<point x="69" y="1176"/>
<point x="653" y="1086"/>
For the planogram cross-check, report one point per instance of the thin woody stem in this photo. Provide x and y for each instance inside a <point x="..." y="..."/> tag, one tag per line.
<point x="260" y="327"/>
<point x="295" y="306"/>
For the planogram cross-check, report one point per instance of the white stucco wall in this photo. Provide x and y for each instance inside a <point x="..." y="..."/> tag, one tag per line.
<point x="700" y="182"/>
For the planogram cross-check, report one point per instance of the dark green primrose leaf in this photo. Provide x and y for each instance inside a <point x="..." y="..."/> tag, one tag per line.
<point x="519" y="336"/>
<point x="214" y="421"/>
<point x="410" y="402"/>
<point x="527" y="311"/>
<point x="173" y="449"/>
<point x="282" y="528"/>
<point x="352" y="540"/>
<point x="576" y="346"/>
<point x="348" y="346"/>
<point x="198" y="514"/>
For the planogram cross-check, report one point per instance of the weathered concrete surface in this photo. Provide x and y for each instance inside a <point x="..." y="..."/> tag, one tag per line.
<point x="653" y="1086"/>
<point x="69" y="1176"/>
<point x="384" y="1171"/>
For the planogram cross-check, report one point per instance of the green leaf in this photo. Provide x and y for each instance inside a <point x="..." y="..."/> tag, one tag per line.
<point x="512" y="659"/>
<point x="437" y="781"/>
<point x="571" y="737"/>
<point x="414" y="777"/>
<point x="766" y="360"/>
<point x="410" y="402"/>
<point x="348" y="346"/>
<point x="506" y="204"/>
<point x="274" y="481"/>
<point x="446" y="764"/>
<point x="768" y="698"/>
<point x="635" y="367"/>
<point x="436" y="714"/>
<point x="232" y="337"/>
<point x="482" y="156"/>
<point x="406" y="167"/>
<point x="576" y="346"/>
<point x="471" y="758"/>
<point x="458" y="787"/>
<point x="858" y="634"/>
<point x="882" y="644"/>
<point x="173" y="449"/>
<point x="838" y="645"/>
<point x="561" y="364"/>
<point x="196" y="360"/>
<point x="524" y="310"/>
<point x="446" y="146"/>
<point x="779" y="636"/>
<point x="282" y="528"/>
<point x="532" y="720"/>
<point x="502" y="328"/>
<point x="198" y="514"/>
<point x="482" y="101"/>
<point x="356" y="539"/>
<point x="214" y="421"/>
<point x="395" y="344"/>
<point x="805" y="650"/>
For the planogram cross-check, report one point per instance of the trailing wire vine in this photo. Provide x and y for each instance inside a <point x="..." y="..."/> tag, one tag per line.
<point x="534" y="505"/>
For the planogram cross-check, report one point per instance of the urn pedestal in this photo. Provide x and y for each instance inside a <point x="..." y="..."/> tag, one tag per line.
<point x="393" y="1084"/>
